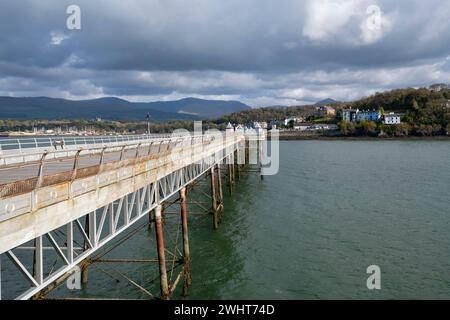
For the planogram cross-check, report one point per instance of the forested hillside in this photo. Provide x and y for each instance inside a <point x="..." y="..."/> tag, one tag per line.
<point x="424" y="112"/>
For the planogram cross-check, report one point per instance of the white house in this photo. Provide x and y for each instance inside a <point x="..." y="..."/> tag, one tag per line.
<point x="392" y="118"/>
<point x="288" y="120"/>
<point x="438" y="87"/>
<point x="302" y="127"/>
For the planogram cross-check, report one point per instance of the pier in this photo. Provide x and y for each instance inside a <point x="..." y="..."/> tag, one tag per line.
<point x="61" y="202"/>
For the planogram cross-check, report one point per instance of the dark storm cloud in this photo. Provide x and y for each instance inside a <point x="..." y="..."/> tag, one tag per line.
<point x="259" y="51"/>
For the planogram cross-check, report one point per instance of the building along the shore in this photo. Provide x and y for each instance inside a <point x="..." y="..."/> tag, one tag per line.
<point x="392" y="118"/>
<point x="356" y="115"/>
<point x="326" y="111"/>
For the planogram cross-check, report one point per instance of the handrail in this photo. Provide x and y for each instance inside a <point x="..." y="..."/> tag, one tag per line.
<point x="46" y="158"/>
<point x="33" y="155"/>
<point x="24" y="143"/>
<point x="65" y="148"/>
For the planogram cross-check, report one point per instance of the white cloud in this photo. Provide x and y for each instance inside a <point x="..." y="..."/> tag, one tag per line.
<point x="383" y="24"/>
<point x="326" y="18"/>
<point x="344" y="21"/>
<point x="262" y="52"/>
<point x="84" y="88"/>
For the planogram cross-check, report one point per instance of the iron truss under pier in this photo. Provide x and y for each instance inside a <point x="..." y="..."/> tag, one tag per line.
<point x="62" y="201"/>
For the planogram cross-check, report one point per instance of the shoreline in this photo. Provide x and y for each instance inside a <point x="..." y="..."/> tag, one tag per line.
<point x="293" y="137"/>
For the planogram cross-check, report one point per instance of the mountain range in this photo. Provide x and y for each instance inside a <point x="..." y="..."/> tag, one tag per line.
<point x="326" y="101"/>
<point x="115" y="109"/>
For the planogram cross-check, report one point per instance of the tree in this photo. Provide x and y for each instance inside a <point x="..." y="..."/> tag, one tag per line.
<point x="343" y="127"/>
<point x="415" y="105"/>
<point x="368" y="127"/>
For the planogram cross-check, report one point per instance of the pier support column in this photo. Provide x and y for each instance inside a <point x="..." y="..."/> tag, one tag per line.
<point x="151" y="220"/>
<point x="247" y="151"/>
<point x="260" y="157"/>
<point x="239" y="167"/>
<point x="186" y="252"/>
<point x="89" y="227"/>
<point x="161" y="254"/>
<point x="214" y="199"/>
<point x="38" y="260"/>
<point x="219" y="185"/>
<point x="234" y="167"/>
<point x="230" y="174"/>
<point x="84" y="272"/>
<point x="233" y="173"/>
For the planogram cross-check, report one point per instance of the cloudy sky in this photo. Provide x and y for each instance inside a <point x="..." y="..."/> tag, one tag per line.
<point x="262" y="52"/>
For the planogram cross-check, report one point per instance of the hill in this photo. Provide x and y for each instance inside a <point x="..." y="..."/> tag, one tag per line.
<point x="404" y="100"/>
<point x="326" y="101"/>
<point x="424" y="111"/>
<point x="114" y="109"/>
<point x="198" y="107"/>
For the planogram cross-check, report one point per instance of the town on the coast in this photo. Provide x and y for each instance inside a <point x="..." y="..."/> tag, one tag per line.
<point x="395" y="113"/>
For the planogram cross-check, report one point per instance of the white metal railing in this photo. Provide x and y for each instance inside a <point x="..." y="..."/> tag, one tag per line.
<point x="20" y="150"/>
<point x="73" y="170"/>
<point x="25" y="154"/>
<point x="24" y="144"/>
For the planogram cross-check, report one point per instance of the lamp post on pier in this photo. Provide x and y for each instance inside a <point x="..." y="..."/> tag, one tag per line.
<point x="148" y="123"/>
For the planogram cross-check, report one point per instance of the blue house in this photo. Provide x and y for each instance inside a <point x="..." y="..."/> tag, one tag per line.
<point x="351" y="115"/>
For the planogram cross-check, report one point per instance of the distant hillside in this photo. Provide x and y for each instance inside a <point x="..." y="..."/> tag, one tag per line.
<point x="199" y="107"/>
<point x="268" y="114"/>
<point x="422" y="109"/>
<point x="404" y="99"/>
<point x="326" y="101"/>
<point x="114" y="109"/>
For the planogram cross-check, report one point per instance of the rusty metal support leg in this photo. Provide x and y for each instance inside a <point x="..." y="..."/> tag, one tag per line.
<point x="186" y="251"/>
<point x="247" y="152"/>
<point x="163" y="214"/>
<point x="214" y="199"/>
<point x="219" y="185"/>
<point x="151" y="220"/>
<point x="230" y="177"/>
<point x="84" y="273"/>
<point x="233" y="173"/>
<point x="161" y="254"/>
<point x="236" y="165"/>
<point x="84" y="265"/>
<point x="260" y="156"/>
<point x="239" y="171"/>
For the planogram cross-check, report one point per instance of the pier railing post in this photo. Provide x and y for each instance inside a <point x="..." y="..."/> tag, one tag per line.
<point x="186" y="251"/>
<point x="161" y="254"/>
<point x="213" y="198"/>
